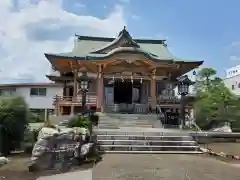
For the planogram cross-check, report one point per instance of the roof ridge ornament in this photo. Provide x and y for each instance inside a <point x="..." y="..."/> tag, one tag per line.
<point x="124" y="32"/>
<point x="124" y="39"/>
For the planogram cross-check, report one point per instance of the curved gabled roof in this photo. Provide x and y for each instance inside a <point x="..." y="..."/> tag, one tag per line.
<point x="124" y="34"/>
<point x="99" y="48"/>
<point x="99" y="56"/>
<point x="131" y="50"/>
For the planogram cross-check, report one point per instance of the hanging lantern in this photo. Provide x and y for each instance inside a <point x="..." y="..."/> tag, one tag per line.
<point x="132" y="79"/>
<point x="122" y="79"/>
<point x="169" y="76"/>
<point x="141" y="80"/>
<point x="183" y="85"/>
<point x="113" y="78"/>
<point x="84" y="81"/>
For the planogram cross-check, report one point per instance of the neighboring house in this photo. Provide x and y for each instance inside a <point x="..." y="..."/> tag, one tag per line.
<point x="232" y="79"/>
<point x="233" y="71"/>
<point x="38" y="96"/>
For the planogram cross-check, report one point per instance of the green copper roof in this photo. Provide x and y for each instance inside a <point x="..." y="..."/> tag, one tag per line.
<point x="94" y="48"/>
<point x="84" y="47"/>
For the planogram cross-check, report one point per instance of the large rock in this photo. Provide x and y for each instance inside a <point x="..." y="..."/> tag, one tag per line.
<point x="225" y="128"/>
<point x="3" y="160"/>
<point x="57" y="149"/>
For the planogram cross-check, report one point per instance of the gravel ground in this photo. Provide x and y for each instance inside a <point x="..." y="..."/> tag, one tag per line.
<point x="230" y="148"/>
<point x="164" y="167"/>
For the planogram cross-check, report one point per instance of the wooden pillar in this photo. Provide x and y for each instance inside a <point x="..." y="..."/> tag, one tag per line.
<point x="67" y="91"/>
<point x="75" y="86"/>
<point x="153" y="90"/>
<point x="100" y="89"/>
<point x="75" y="90"/>
<point x="57" y="106"/>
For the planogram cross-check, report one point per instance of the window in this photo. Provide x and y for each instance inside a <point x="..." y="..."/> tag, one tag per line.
<point x="233" y="87"/>
<point x="38" y="92"/>
<point x="7" y="92"/>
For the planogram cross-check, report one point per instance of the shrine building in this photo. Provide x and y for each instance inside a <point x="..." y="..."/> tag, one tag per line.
<point x="128" y="75"/>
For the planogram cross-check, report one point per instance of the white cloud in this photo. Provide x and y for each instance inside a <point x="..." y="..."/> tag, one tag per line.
<point x="125" y="1"/>
<point x="234" y="58"/>
<point x="135" y="17"/>
<point x="26" y="34"/>
<point x="80" y="5"/>
<point x="233" y="50"/>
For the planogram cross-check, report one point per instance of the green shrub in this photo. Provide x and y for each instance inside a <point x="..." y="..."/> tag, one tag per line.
<point x="79" y="121"/>
<point x="34" y="118"/>
<point x="94" y="119"/>
<point x="13" y="120"/>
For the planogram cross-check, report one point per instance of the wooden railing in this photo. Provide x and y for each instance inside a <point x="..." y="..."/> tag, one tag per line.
<point x="168" y="99"/>
<point x="91" y="98"/>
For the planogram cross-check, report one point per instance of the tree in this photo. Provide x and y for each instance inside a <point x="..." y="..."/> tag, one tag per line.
<point x="35" y="118"/>
<point x="215" y="103"/>
<point x="13" y="120"/>
<point x="205" y="74"/>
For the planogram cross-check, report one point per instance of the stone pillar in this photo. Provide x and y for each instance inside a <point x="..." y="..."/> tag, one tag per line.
<point x="153" y="90"/>
<point x="45" y="115"/>
<point x="100" y="89"/>
<point x="72" y="110"/>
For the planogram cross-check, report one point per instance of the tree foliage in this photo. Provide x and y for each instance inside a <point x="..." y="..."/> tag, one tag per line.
<point x="79" y="121"/>
<point x="34" y="118"/>
<point x="13" y="122"/>
<point x="215" y="103"/>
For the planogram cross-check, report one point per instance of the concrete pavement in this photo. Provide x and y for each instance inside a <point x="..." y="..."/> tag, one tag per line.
<point x="155" y="167"/>
<point x="164" y="167"/>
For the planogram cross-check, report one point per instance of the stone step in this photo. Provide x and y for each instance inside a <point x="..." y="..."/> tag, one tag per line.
<point x="128" y="116"/>
<point x="138" y="131"/>
<point x="127" y="120"/>
<point x="146" y="142"/>
<point x="108" y="126"/>
<point x="143" y="126"/>
<point x="150" y="138"/>
<point x="130" y="131"/>
<point x="130" y="123"/>
<point x="153" y="152"/>
<point x="147" y="148"/>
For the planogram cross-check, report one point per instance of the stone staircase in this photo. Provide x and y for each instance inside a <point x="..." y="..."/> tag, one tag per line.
<point x="146" y="141"/>
<point x="117" y="120"/>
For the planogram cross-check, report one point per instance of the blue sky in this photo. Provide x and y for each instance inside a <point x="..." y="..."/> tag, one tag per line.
<point x="195" y="30"/>
<point x="202" y="30"/>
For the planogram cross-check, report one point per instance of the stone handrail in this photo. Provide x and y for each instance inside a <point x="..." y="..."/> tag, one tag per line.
<point x="197" y="127"/>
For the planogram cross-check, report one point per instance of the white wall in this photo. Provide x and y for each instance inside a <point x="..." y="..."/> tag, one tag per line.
<point x="191" y="88"/>
<point x="39" y="102"/>
<point x="233" y="71"/>
<point x="235" y="80"/>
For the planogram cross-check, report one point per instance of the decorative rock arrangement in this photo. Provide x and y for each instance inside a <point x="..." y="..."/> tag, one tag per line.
<point x="61" y="149"/>
<point x="221" y="154"/>
<point x="3" y="160"/>
<point x="225" y="128"/>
